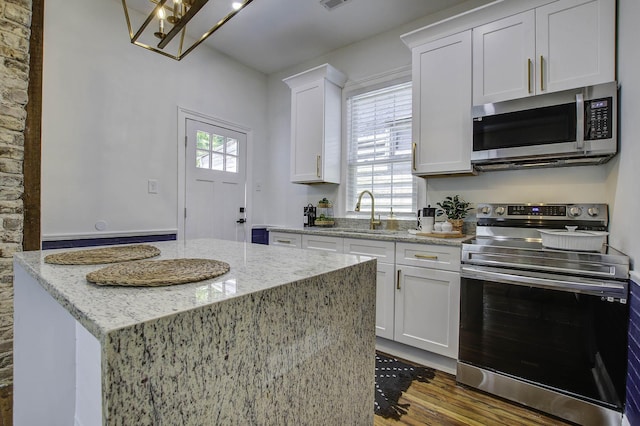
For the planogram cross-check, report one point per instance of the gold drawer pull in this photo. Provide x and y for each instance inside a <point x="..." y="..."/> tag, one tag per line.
<point x="529" y="75"/>
<point x="426" y="256"/>
<point x="398" y="280"/>
<point x="284" y="241"/>
<point x="413" y="156"/>
<point x="541" y="73"/>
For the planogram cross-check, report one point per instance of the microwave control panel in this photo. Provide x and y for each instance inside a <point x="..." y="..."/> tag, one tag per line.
<point x="597" y="119"/>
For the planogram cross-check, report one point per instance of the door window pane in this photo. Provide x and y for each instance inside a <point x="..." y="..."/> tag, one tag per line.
<point x="202" y="159"/>
<point x="204" y="140"/>
<point x="216" y="152"/>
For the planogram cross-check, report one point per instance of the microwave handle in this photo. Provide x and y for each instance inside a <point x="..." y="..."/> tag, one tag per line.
<point x="580" y="145"/>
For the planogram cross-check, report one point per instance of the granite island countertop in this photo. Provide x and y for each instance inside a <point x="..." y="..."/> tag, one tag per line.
<point x="375" y="234"/>
<point x="101" y="309"/>
<point x="237" y="349"/>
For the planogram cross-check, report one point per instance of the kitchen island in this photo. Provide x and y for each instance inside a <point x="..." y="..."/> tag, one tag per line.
<point x="282" y="338"/>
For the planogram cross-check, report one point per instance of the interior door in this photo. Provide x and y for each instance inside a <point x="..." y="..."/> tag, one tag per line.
<point x="215" y="182"/>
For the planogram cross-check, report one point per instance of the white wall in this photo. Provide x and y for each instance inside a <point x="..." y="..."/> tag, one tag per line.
<point x="110" y="120"/>
<point x="614" y="183"/>
<point x="624" y="179"/>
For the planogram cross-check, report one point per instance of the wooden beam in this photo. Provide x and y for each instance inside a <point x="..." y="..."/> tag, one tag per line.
<point x="33" y="132"/>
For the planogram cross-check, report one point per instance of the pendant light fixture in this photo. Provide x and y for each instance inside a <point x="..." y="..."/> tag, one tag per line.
<point x="164" y="23"/>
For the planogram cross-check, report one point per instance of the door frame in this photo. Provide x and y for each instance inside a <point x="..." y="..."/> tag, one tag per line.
<point x="183" y="115"/>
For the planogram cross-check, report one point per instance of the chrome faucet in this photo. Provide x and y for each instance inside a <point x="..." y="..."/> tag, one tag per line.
<point x="372" y="222"/>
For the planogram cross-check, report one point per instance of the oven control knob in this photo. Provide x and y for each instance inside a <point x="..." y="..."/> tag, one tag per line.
<point x="593" y="211"/>
<point x="575" y="211"/>
<point x="499" y="210"/>
<point x="485" y="209"/>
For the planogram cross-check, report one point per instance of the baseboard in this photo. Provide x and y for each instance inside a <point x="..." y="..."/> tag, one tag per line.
<point x="102" y="240"/>
<point x="429" y="359"/>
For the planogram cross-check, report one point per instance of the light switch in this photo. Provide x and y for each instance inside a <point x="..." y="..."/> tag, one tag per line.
<point x="152" y="186"/>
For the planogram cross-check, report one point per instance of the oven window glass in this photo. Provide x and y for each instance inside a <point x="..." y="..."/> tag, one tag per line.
<point x="540" y="126"/>
<point x="568" y="342"/>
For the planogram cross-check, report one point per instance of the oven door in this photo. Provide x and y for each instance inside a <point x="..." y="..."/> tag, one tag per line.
<point x="567" y="339"/>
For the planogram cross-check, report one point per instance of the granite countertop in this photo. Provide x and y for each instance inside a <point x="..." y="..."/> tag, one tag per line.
<point x="382" y="235"/>
<point x="254" y="268"/>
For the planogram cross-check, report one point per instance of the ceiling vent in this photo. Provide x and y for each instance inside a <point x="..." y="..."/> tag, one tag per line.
<point x="332" y="4"/>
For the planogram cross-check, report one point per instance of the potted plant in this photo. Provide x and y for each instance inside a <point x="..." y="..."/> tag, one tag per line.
<point x="456" y="209"/>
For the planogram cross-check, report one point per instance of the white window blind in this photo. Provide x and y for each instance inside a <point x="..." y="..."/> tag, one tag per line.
<point x="379" y="149"/>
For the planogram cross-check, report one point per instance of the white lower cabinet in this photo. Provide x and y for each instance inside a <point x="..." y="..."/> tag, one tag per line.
<point x="322" y="243"/>
<point x="427" y="297"/>
<point x="417" y="287"/>
<point x="384" y="251"/>
<point x="285" y="239"/>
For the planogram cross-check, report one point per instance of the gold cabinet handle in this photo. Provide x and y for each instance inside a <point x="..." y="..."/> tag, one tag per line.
<point x="541" y="73"/>
<point x="398" y="279"/>
<point x="284" y="241"/>
<point x="529" y="75"/>
<point x="318" y="165"/>
<point x="413" y="156"/>
<point x="426" y="256"/>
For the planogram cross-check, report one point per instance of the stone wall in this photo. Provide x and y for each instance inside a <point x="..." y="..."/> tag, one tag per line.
<point x="15" y="23"/>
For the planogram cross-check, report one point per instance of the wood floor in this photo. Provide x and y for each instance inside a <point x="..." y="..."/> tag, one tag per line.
<point x="441" y="402"/>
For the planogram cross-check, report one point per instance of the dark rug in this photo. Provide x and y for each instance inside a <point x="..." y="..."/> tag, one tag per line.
<point x="392" y="378"/>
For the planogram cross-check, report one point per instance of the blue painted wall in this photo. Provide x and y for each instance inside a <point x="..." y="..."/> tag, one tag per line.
<point x="632" y="408"/>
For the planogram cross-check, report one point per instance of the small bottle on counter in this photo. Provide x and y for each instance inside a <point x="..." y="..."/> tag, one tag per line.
<point x="392" y="222"/>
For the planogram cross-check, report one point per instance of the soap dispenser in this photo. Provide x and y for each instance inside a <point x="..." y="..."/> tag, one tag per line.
<point x="392" y="222"/>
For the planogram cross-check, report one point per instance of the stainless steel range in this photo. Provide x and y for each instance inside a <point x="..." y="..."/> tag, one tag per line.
<point x="546" y="328"/>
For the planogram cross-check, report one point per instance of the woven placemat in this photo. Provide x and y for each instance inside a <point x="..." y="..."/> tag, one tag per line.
<point x="153" y="273"/>
<point x="103" y="255"/>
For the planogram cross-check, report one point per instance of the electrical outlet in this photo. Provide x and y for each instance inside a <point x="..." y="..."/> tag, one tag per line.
<point x="152" y="186"/>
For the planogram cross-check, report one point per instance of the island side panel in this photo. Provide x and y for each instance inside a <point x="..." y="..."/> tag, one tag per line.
<point x="44" y="356"/>
<point x="301" y="353"/>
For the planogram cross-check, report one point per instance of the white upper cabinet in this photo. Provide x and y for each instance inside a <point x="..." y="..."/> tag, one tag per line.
<point x="576" y="41"/>
<point x="562" y="45"/>
<point x="441" y="72"/>
<point x="503" y="55"/>
<point x="316" y="112"/>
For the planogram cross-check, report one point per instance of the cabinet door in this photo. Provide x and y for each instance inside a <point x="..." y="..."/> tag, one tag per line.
<point x="441" y="106"/>
<point x="504" y="59"/>
<point x="575" y="43"/>
<point x="285" y="239"/>
<point x="427" y="309"/>
<point x="384" y="251"/>
<point x="322" y="243"/>
<point x="385" y="303"/>
<point x="307" y="132"/>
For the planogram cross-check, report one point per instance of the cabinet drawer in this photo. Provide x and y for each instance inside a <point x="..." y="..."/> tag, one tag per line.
<point x="428" y="256"/>
<point x="285" y="239"/>
<point x="384" y="251"/>
<point x="322" y="243"/>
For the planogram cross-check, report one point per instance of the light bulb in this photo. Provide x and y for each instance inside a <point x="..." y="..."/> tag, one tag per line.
<point x="161" y="14"/>
<point x="236" y="5"/>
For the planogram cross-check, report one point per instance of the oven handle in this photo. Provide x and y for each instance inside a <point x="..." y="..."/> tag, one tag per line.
<point x="612" y="291"/>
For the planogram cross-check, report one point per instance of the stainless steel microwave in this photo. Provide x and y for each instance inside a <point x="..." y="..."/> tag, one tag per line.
<point x="572" y="127"/>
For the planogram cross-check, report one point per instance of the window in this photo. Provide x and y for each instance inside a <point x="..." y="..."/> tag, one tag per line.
<point x="379" y="149"/>
<point x="216" y="152"/>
